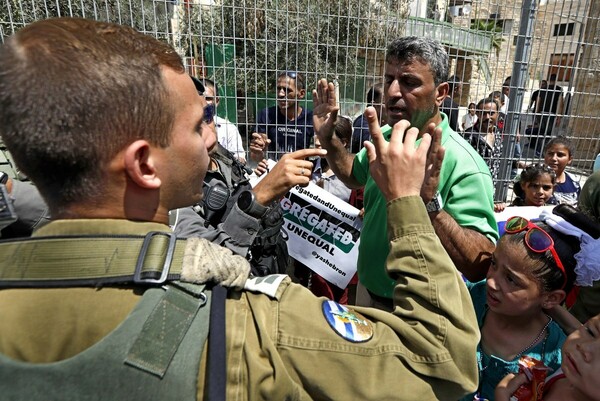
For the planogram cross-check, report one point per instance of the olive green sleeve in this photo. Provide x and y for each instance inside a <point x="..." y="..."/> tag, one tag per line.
<point x="282" y="347"/>
<point x="430" y="297"/>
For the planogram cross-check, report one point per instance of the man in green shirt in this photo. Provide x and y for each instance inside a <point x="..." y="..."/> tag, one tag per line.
<point x="460" y="207"/>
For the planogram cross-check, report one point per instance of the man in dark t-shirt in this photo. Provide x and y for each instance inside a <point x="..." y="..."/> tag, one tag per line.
<point x="549" y="106"/>
<point x="535" y="94"/>
<point x="288" y="126"/>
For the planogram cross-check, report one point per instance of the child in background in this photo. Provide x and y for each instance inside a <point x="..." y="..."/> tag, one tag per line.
<point x="558" y="154"/>
<point x="535" y="187"/>
<point x="531" y="271"/>
<point x="470" y="119"/>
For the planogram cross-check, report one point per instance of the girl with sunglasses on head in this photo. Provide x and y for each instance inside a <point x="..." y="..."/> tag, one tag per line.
<point x="535" y="186"/>
<point x="531" y="271"/>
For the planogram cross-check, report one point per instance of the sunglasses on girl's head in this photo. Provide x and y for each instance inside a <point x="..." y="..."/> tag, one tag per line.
<point x="536" y="239"/>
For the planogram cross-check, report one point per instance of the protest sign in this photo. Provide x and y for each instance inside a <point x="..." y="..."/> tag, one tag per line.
<point x="323" y="232"/>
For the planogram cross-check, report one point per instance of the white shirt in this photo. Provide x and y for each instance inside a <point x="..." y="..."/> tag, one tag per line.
<point x="468" y="121"/>
<point x="504" y="109"/>
<point x="331" y="183"/>
<point x="229" y="137"/>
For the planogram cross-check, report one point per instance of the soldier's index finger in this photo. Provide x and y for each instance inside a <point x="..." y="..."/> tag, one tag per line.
<point x="304" y="153"/>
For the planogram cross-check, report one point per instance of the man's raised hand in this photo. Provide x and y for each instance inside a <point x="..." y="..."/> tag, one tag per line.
<point x="325" y="109"/>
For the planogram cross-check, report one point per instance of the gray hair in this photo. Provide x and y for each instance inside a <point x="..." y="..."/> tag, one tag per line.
<point x="425" y="50"/>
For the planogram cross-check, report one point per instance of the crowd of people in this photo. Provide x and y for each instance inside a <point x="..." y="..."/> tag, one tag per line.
<point x="147" y="258"/>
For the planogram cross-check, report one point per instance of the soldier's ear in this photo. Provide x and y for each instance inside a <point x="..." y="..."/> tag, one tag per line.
<point x="140" y="165"/>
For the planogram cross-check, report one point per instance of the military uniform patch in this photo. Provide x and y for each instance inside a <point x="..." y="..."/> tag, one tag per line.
<point x="266" y="285"/>
<point x="348" y="324"/>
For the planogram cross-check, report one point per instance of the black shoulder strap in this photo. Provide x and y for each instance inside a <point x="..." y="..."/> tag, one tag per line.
<point x="217" y="362"/>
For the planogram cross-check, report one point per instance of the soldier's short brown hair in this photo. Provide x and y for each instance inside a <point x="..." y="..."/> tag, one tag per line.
<point x="75" y="92"/>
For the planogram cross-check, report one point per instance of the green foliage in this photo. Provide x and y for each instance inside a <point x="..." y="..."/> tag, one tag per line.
<point x="144" y="15"/>
<point x="315" y="37"/>
<point x="493" y="28"/>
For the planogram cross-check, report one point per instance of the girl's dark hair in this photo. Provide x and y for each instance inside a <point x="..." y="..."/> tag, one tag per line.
<point x="560" y="140"/>
<point x="533" y="171"/>
<point x="543" y="265"/>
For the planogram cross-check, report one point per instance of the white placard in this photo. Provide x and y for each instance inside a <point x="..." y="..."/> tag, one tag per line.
<point x="323" y="232"/>
<point x="529" y="212"/>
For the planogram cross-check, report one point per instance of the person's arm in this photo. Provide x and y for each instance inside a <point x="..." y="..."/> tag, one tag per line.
<point x="454" y="119"/>
<point x="533" y="100"/>
<point x="470" y="250"/>
<point x="469" y="243"/>
<point x="560" y="108"/>
<point x="567" y="322"/>
<point x="324" y="116"/>
<point x="538" y="103"/>
<point x="238" y="230"/>
<point x="291" y="170"/>
<point x="234" y="142"/>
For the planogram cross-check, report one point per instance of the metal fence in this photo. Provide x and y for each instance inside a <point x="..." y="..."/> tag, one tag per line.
<point x="243" y="44"/>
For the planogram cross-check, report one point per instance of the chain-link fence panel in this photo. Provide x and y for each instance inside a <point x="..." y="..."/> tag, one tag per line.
<point x="538" y="58"/>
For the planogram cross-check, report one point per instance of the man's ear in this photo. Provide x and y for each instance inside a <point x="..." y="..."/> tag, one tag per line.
<point x="553" y="298"/>
<point x="301" y="93"/>
<point x="441" y="93"/>
<point x="140" y="165"/>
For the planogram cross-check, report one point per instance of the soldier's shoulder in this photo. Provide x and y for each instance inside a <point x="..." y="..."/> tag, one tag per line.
<point x="273" y="285"/>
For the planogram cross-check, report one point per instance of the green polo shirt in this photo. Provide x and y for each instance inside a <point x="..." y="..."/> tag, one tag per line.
<point x="467" y="192"/>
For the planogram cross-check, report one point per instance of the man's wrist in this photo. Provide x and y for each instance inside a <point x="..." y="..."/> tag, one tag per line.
<point x="436" y="204"/>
